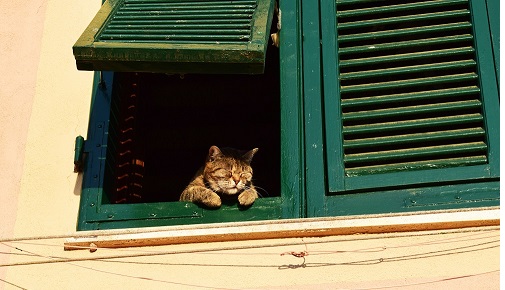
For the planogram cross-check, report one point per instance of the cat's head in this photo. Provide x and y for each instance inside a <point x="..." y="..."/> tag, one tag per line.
<point x="228" y="170"/>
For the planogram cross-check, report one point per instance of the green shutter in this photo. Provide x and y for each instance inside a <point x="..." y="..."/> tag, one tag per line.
<point x="177" y="36"/>
<point x="408" y="101"/>
<point x="410" y="93"/>
<point x="409" y="88"/>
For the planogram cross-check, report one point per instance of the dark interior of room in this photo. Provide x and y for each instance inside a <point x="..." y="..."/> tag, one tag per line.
<point x="162" y="126"/>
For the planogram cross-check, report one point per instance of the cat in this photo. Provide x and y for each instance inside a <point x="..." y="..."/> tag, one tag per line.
<point x="226" y="173"/>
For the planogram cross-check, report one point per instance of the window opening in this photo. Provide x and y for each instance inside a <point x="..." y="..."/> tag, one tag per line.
<point x="162" y="125"/>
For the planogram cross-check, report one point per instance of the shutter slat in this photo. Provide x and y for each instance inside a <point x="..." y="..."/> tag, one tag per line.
<point x="406" y="44"/>
<point x="180" y="26"/>
<point x="451" y="52"/>
<point x="409" y="83"/>
<point x="392" y="8"/>
<point x="432" y="29"/>
<point x="431" y="151"/>
<point x="186" y="22"/>
<point x="418" y="165"/>
<point x="409" y="69"/>
<point x="411" y="97"/>
<point x="413" y="124"/>
<point x="174" y="13"/>
<point x="402" y="19"/>
<point x="173" y="37"/>
<point x="188" y="5"/>
<point x="428" y="137"/>
<point x="175" y="31"/>
<point x="412" y="110"/>
<point x="188" y="16"/>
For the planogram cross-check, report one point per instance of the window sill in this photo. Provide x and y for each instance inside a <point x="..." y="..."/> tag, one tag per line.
<point x="290" y="228"/>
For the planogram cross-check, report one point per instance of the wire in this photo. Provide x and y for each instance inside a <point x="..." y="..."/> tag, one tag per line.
<point x="117" y="274"/>
<point x="429" y="282"/>
<point x="12" y="284"/>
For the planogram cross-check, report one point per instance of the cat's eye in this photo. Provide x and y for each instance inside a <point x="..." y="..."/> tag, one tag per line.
<point x="223" y="173"/>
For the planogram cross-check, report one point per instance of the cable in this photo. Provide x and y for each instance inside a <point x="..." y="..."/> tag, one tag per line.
<point x="429" y="282"/>
<point x="117" y="274"/>
<point x="12" y="284"/>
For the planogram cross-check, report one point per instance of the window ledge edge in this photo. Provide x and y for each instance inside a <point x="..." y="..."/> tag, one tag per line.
<point x="287" y="228"/>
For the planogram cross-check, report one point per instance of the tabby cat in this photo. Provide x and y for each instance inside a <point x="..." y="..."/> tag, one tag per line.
<point x="227" y="173"/>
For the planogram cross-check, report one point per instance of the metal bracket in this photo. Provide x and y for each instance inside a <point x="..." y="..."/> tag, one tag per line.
<point x="79" y="153"/>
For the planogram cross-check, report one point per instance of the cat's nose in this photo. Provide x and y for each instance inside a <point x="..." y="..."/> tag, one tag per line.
<point x="236" y="179"/>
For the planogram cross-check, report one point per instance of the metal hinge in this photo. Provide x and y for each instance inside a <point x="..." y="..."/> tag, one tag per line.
<point x="79" y="153"/>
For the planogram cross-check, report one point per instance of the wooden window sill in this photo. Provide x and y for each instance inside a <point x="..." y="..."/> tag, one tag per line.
<point x="289" y="228"/>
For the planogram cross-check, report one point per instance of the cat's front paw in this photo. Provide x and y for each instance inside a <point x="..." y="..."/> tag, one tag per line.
<point x="247" y="197"/>
<point x="211" y="199"/>
<point x="201" y="195"/>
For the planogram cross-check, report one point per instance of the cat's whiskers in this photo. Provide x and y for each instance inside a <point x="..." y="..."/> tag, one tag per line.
<point x="257" y="187"/>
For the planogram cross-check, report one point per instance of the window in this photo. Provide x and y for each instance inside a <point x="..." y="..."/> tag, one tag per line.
<point x="367" y="107"/>
<point x="150" y="132"/>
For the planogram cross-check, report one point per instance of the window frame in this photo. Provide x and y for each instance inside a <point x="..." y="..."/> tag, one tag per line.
<point x="93" y="214"/>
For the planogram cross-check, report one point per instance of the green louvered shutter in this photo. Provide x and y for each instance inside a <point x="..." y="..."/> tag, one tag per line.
<point x="415" y="100"/>
<point x="177" y="36"/>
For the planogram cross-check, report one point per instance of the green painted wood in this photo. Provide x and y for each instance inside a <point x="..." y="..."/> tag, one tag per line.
<point x="313" y="107"/>
<point x="403" y="112"/>
<point x="411" y="110"/>
<point x="442" y="94"/>
<point x="291" y="110"/>
<point x="406" y="44"/>
<point x="451" y="52"/>
<point x="493" y="11"/>
<point x="394" y="7"/>
<point x="177" y="36"/>
<point x="413" y="124"/>
<point x="438" y="197"/>
<point x="427" y="137"/>
<point x="409" y="69"/>
<point x="432" y="29"/>
<point x="401" y="154"/>
<point x="429" y="67"/>
<point x="95" y="149"/>
<point x="398" y="166"/>
<point x="488" y="84"/>
<point x="400" y="19"/>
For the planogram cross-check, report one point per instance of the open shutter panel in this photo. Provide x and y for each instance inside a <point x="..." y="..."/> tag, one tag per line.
<point x="177" y="36"/>
<point x="409" y="86"/>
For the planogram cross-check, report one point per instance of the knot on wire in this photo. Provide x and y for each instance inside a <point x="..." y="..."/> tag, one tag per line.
<point x="296" y="254"/>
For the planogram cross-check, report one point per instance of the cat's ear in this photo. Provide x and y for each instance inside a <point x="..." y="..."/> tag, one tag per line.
<point x="249" y="155"/>
<point x="214" y="152"/>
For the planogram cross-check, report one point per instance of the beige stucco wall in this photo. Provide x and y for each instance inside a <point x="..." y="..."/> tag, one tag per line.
<point x="427" y="260"/>
<point x="45" y="105"/>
